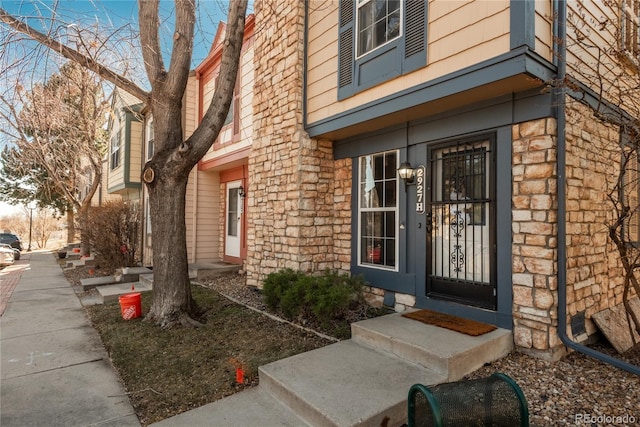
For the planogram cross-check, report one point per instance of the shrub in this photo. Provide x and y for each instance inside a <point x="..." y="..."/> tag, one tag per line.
<point x="321" y="298"/>
<point x="115" y="233"/>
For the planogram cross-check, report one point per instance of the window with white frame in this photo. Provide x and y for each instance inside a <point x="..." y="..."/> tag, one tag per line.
<point x="379" y="40"/>
<point x="629" y="26"/>
<point x="378" y="210"/>
<point x="115" y="150"/>
<point x="378" y="23"/>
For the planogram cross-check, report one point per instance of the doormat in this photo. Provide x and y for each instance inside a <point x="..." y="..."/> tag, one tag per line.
<point x="458" y="324"/>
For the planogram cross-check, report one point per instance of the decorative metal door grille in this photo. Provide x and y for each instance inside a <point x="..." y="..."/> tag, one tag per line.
<point x="460" y="264"/>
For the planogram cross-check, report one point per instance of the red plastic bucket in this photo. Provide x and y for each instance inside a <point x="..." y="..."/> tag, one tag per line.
<point x="130" y="305"/>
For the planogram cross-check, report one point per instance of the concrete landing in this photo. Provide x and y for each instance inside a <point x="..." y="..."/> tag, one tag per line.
<point x="111" y="293"/>
<point x="205" y="270"/>
<point x="455" y="355"/>
<point x="359" y="382"/>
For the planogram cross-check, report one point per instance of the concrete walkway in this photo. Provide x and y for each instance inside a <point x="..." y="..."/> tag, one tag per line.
<point x="54" y="369"/>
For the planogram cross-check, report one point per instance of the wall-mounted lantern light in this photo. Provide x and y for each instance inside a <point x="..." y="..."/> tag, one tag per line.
<point x="406" y="172"/>
<point x="241" y="192"/>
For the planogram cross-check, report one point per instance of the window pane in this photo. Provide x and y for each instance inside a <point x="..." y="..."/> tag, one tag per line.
<point x="390" y="253"/>
<point x="390" y="224"/>
<point x="378" y="195"/>
<point x="378" y="22"/>
<point x="390" y="166"/>
<point x="378" y="167"/>
<point x="232" y="213"/>
<point x="390" y="194"/>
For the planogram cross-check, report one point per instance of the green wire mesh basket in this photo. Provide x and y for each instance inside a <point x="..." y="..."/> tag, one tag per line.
<point x="493" y="401"/>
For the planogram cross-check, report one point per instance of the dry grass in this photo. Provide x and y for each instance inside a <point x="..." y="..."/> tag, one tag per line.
<point x="167" y="372"/>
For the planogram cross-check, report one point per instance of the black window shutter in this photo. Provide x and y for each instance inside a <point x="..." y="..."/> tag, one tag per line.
<point x="346" y="48"/>
<point x="415" y="42"/>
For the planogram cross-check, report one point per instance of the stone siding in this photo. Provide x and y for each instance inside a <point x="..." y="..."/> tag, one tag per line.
<point x="593" y="269"/>
<point x="534" y="227"/>
<point x="299" y="206"/>
<point x="594" y="272"/>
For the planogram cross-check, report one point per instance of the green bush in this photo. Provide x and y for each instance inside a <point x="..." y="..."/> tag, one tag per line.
<point x="321" y="298"/>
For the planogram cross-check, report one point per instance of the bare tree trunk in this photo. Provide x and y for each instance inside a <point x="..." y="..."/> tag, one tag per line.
<point x="85" y="235"/>
<point x="172" y="301"/>
<point x="71" y="226"/>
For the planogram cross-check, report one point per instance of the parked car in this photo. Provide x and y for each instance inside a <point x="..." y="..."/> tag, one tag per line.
<point x="16" y="252"/>
<point x="6" y="255"/>
<point x="12" y="240"/>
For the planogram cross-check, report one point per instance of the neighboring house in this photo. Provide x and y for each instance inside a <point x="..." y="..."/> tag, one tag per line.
<point x="347" y="93"/>
<point x="216" y="193"/>
<point x="124" y="162"/>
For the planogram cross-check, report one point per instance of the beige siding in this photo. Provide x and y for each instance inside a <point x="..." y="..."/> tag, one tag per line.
<point x="544" y="29"/>
<point x="202" y="216"/>
<point x="592" y="43"/>
<point x="190" y="106"/>
<point x="246" y="109"/>
<point x="460" y="34"/>
<point x="135" y="152"/>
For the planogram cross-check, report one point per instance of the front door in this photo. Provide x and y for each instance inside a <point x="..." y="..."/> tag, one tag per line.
<point x="460" y="255"/>
<point x="233" y="220"/>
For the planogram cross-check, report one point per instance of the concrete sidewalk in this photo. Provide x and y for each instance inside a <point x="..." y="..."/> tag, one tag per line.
<point x="54" y="369"/>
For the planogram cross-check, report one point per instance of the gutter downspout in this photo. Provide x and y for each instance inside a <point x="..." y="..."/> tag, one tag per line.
<point x="562" y="207"/>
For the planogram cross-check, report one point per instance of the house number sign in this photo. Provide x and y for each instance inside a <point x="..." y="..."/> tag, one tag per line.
<point x="420" y="172"/>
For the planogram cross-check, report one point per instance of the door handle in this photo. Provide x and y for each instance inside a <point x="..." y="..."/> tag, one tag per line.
<point x="429" y="221"/>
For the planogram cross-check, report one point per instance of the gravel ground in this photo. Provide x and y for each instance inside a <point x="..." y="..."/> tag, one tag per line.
<point x="577" y="390"/>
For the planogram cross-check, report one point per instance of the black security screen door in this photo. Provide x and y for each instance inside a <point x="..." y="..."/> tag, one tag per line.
<point x="460" y="255"/>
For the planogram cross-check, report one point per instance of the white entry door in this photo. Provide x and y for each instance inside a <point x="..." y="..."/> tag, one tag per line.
<point x="233" y="221"/>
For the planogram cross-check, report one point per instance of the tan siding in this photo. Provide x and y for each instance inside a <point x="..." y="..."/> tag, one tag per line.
<point x="190" y="213"/>
<point x="208" y="248"/>
<point x="246" y="109"/>
<point x="591" y="43"/>
<point x="191" y="107"/>
<point x="544" y="29"/>
<point x="460" y="34"/>
<point x="201" y="215"/>
<point x="135" y="155"/>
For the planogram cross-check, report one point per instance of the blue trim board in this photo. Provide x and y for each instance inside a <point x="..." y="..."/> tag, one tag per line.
<point x="521" y="61"/>
<point x="523" y="29"/>
<point x="484" y="116"/>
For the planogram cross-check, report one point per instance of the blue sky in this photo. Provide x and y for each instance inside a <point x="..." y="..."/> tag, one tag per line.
<point x="115" y="13"/>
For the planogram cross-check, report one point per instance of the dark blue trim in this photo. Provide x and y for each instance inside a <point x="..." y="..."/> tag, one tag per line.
<point x="413" y="143"/>
<point x="504" y="234"/>
<point x="483" y="116"/>
<point x="523" y="29"/>
<point x="521" y="61"/>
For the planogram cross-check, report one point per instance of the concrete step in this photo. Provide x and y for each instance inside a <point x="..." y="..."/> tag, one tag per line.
<point x="345" y="384"/>
<point x="131" y="274"/>
<point x="109" y="293"/>
<point x="363" y="381"/>
<point x="253" y="407"/>
<point x="147" y="279"/>
<point x="451" y="354"/>
<point x="82" y="261"/>
<point x="94" y="282"/>
<point x="206" y="270"/>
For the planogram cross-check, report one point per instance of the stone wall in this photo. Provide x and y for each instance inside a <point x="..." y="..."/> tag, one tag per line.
<point x="299" y="205"/>
<point x="593" y="269"/>
<point x="534" y="226"/>
<point x="594" y="273"/>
